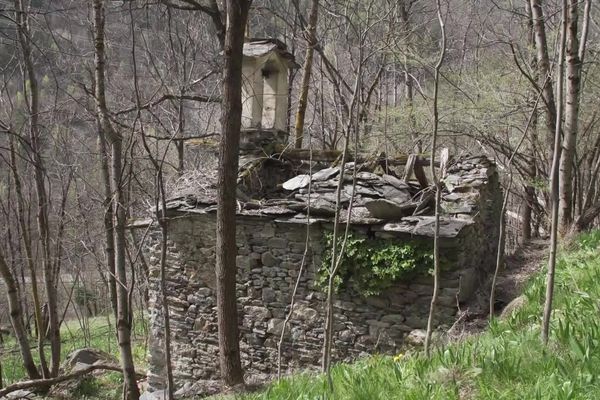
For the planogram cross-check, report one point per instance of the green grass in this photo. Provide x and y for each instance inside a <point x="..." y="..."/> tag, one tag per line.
<point x="508" y="361"/>
<point x="99" y="334"/>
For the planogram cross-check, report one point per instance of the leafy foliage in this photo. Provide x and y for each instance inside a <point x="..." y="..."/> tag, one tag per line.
<point x="372" y="265"/>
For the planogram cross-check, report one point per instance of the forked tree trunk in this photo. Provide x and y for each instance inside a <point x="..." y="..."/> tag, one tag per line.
<point x="16" y="318"/>
<point x="49" y="270"/>
<point x="573" y="89"/>
<point x="26" y="243"/>
<point x="226" y="249"/>
<point x="573" y="75"/>
<point x="131" y="391"/>
<point x="311" y="42"/>
<point x="543" y="64"/>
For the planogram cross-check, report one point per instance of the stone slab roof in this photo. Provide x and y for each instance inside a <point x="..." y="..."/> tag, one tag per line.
<point x="378" y="199"/>
<point x="259" y="47"/>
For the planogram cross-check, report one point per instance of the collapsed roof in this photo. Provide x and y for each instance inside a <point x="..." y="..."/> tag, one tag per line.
<point x="370" y="195"/>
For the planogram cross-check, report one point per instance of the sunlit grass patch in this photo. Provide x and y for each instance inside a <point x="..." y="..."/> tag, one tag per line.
<point x="97" y="332"/>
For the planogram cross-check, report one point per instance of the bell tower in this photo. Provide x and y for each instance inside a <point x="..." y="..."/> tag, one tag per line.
<point x="265" y="93"/>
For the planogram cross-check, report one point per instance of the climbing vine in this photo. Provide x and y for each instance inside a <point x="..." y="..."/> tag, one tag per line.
<point x="372" y="265"/>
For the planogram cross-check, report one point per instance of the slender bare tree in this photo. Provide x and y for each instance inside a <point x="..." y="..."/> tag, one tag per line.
<point x="50" y="272"/>
<point x="311" y="42"/>
<point x="575" y="53"/>
<point x="543" y="64"/>
<point x="130" y="389"/>
<point x="554" y="176"/>
<point x="436" y="180"/>
<point x="16" y="318"/>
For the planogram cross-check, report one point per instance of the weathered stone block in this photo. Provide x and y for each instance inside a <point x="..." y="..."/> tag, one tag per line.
<point x="393" y="318"/>
<point x="275" y="326"/>
<point x="277" y="243"/>
<point x="305" y="314"/>
<point x="257" y="313"/>
<point x="268" y="295"/>
<point x="268" y="259"/>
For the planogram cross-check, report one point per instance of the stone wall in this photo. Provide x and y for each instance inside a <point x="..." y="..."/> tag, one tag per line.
<point x="270" y="254"/>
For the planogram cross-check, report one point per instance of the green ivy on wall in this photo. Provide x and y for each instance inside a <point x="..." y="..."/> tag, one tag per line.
<point x="372" y="265"/>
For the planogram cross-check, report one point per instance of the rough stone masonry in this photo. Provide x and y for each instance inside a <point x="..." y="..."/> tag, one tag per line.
<point x="271" y="251"/>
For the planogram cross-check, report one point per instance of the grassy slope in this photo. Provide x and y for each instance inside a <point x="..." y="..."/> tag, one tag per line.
<point x="506" y="362"/>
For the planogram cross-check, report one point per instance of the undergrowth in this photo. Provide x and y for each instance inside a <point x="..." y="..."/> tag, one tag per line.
<point x="100" y="335"/>
<point x="508" y="361"/>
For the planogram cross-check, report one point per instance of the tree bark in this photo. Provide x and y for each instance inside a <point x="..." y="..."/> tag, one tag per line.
<point x="436" y="181"/>
<point x="526" y="213"/>
<point x="16" y="318"/>
<point x="573" y="90"/>
<point x="50" y="271"/>
<point x="543" y="63"/>
<point x="337" y="251"/>
<point x="26" y="241"/>
<point x="226" y="248"/>
<point x="584" y="221"/>
<point x="109" y="237"/>
<point x="529" y="198"/>
<point x="554" y="183"/>
<point x="131" y="391"/>
<point x="311" y="42"/>
<point x="408" y="79"/>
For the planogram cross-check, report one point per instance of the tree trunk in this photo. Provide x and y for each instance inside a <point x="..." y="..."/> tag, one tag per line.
<point x="575" y="54"/>
<point x="584" y="221"/>
<point x="131" y="391"/>
<point x="530" y="150"/>
<point x="573" y="73"/>
<point x="336" y="253"/>
<point x="109" y="237"/>
<point x="26" y="240"/>
<point x="554" y="185"/>
<point x="437" y="183"/>
<point x="543" y="64"/>
<point x="408" y="79"/>
<point x="226" y="249"/>
<point x="311" y="42"/>
<point x="16" y="315"/>
<point x="123" y="306"/>
<point x="49" y="271"/>
<point x="526" y="211"/>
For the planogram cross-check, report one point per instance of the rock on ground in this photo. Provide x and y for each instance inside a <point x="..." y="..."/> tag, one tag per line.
<point x="82" y="358"/>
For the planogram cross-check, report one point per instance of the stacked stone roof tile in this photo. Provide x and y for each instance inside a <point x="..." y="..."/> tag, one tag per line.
<point x="377" y="198"/>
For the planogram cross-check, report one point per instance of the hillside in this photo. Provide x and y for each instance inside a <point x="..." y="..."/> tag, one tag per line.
<point x="508" y="361"/>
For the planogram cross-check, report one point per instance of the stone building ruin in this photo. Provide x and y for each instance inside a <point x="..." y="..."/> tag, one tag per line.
<point x="283" y="199"/>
